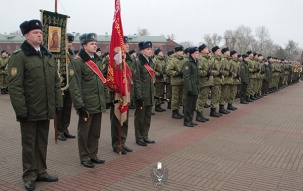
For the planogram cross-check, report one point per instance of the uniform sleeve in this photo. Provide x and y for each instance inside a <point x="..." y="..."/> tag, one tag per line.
<point x="75" y="82"/>
<point x="137" y="81"/>
<point x="171" y="69"/>
<point x="15" y="86"/>
<point x="186" y="77"/>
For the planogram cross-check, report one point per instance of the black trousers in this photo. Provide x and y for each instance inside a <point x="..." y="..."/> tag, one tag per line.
<point x="34" y="136"/>
<point x="189" y="107"/>
<point x="64" y="115"/>
<point x="243" y="91"/>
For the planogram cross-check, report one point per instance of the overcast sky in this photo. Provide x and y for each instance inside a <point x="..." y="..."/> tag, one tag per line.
<point x="189" y="20"/>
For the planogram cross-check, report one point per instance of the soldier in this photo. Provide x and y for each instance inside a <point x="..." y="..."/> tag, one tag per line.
<point x="227" y="80"/>
<point x="244" y="76"/>
<point x="174" y="70"/>
<point x="205" y="67"/>
<point x="113" y="119"/>
<point x="252" y="76"/>
<point x="133" y="56"/>
<point x="266" y="78"/>
<point x="235" y="69"/>
<point x="32" y="71"/>
<point x="160" y="67"/>
<point x="260" y="75"/>
<point x="218" y="81"/>
<point x="144" y="78"/>
<point x="3" y="72"/>
<point x="191" y="86"/>
<point x="65" y="114"/>
<point x="99" y="53"/>
<point x="167" y="79"/>
<point x="87" y="85"/>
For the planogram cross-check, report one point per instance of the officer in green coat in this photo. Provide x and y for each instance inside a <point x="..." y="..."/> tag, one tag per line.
<point x="244" y="76"/>
<point x="115" y="123"/>
<point x="190" y="85"/>
<point x="35" y="94"/>
<point x="87" y="85"/>
<point x="144" y="79"/>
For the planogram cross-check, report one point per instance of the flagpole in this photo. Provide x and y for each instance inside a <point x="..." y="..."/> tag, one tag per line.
<point x="56" y="6"/>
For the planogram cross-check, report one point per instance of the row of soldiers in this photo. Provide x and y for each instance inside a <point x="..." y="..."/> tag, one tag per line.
<point x="3" y="71"/>
<point x="221" y="76"/>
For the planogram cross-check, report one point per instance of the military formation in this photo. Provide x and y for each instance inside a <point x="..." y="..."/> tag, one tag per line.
<point x="186" y="81"/>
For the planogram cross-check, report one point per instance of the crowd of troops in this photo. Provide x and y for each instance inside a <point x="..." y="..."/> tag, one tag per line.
<point x="184" y="78"/>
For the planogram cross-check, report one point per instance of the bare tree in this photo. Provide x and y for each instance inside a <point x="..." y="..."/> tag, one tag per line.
<point x="230" y="39"/>
<point x="280" y="53"/>
<point x="292" y="50"/>
<point x="187" y="44"/>
<point x="171" y="36"/>
<point x="262" y="35"/>
<point x="244" y="39"/>
<point x="213" y="40"/>
<point x="143" y="32"/>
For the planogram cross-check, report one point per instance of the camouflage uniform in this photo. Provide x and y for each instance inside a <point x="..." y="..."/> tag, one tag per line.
<point x="235" y="65"/>
<point x="206" y="80"/>
<point x="228" y="81"/>
<point x="174" y="70"/>
<point x="167" y="81"/>
<point x="160" y="66"/>
<point x="3" y="74"/>
<point x="218" y="81"/>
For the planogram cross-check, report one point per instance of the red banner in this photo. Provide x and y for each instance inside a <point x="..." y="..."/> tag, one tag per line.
<point x="117" y="79"/>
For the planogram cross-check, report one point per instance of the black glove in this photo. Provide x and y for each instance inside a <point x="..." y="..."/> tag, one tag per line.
<point x="139" y="102"/>
<point x="83" y="112"/>
<point x="180" y="73"/>
<point x="190" y="93"/>
<point x="161" y="75"/>
<point x="230" y="73"/>
<point x="22" y="118"/>
<point x="58" y="109"/>
<point x="220" y="74"/>
<point x="209" y="73"/>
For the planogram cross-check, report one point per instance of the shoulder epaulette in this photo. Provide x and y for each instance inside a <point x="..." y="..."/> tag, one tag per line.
<point x="16" y="51"/>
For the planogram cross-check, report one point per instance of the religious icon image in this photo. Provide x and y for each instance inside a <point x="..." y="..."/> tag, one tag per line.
<point x="54" y="39"/>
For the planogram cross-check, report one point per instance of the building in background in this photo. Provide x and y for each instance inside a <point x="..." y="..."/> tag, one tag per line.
<point x="11" y="42"/>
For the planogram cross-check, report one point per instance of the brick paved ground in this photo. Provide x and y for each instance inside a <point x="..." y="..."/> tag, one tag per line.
<point x="258" y="147"/>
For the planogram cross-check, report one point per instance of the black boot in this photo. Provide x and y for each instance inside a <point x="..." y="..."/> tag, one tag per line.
<point x="169" y="105"/>
<point x="205" y="118"/>
<point x="179" y="114"/>
<point x="222" y="110"/>
<point x="6" y="90"/>
<point x="199" y="117"/>
<point x="252" y="98"/>
<point x="158" y="108"/>
<point x="231" y="107"/>
<point x="132" y="105"/>
<point x="206" y="105"/>
<point x="248" y="99"/>
<point x="2" y="91"/>
<point x="213" y="112"/>
<point x="175" y="115"/>
<point x="243" y="101"/>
